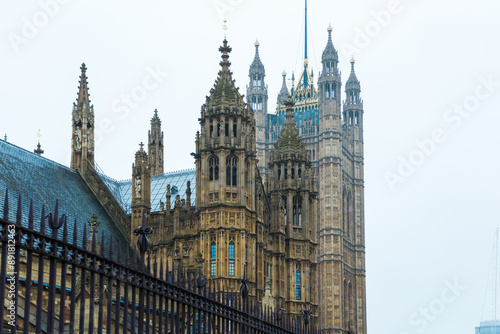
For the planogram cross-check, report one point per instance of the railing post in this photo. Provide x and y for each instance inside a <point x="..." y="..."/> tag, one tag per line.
<point x="142" y="245"/>
<point x="54" y="223"/>
<point x="244" y="290"/>
<point x="307" y="318"/>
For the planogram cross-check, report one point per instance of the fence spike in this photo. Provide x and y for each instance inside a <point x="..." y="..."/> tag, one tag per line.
<point x="84" y="240"/>
<point x="184" y="278"/>
<point x="94" y="241"/>
<point x="6" y="206"/>
<point x="30" y="217"/>
<point x="127" y="257"/>
<point x="119" y="253"/>
<point x="161" y="268"/>
<point x="166" y="272"/>
<point x="65" y="232"/>
<point x="155" y="267"/>
<point x="56" y="212"/>
<point x="149" y="262"/>
<point x="221" y="295"/>
<point x="178" y="274"/>
<point x="42" y="220"/>
<point x="134" y="260"/>
<point x="102" y="244"/>
<point x="75" y="233"/>
<point x="110" y="248"/>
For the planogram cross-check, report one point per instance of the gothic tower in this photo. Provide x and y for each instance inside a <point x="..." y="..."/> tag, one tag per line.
<point x="226" y="171"/>
<point x="353" y="221"/>
<point x="141" y="190"/>
<point x="257" y="95"/>
<point x="155" y="146"/>
<point x="331" y="262"/>
<point x="82" y="137"/>
<point x="293" y="199"/>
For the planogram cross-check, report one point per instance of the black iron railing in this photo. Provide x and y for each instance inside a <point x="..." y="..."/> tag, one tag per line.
<point x="50" y="284"/>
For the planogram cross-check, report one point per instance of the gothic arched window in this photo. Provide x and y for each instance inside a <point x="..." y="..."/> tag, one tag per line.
<point x="327" y="91"/>
<point x="297" y="211"/>
<point x="298" y="287"/>
<point x="213" y="257"/>
<point x="231" y="170"/>
<point x="259" y="105"/>
<point x="254" y="103"/>
<point x="213" y="168"/>
<point x="231" y="259"/>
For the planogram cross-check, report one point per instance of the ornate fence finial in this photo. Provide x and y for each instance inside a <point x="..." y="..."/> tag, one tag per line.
<point x="244" y="286"/>
<point x="54" y="221"/>
<point x="307" y="316"/>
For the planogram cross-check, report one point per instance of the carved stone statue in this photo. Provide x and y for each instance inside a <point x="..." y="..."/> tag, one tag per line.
<point x="90" y="138"/>
<point x="138" y="186"/>
<point x="185" y="250"/>
<point x="78" y="138"/>
<point x="152" y="156"/>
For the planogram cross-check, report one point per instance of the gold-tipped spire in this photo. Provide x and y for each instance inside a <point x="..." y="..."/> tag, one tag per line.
<point x="224" y="27"/>
<point x="38" y="149"/>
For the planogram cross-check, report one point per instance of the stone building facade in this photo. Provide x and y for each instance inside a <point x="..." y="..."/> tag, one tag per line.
<point x="274" y="197"/>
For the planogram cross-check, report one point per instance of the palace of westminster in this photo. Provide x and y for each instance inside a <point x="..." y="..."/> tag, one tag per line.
<point x="277" y="197"/>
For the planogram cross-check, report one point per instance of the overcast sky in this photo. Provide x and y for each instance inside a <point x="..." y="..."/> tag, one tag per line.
<point x="430" y="78"/>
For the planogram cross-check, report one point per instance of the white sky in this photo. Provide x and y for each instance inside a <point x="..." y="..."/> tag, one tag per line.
<point x="434" y="224"/>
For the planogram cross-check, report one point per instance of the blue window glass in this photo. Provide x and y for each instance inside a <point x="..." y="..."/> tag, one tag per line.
<point x="213" y="251"/>
<point x="231" y="267"/>
<point x="231" y="250"/>
<point x="213" y="268"/>
<point x="298" y="288"/>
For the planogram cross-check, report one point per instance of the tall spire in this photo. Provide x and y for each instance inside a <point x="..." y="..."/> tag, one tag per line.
<point x="305" y="30"/>
<point x="257" y="65"/>
<point x="83" y="92"/>
<point x="329" y="53"/>
<point x="155" y="146"/>
<point x="82" y="138"/>
<point x="352" y="82"/>
<point x="283" y="94"/>
<point x="224" y="88"/>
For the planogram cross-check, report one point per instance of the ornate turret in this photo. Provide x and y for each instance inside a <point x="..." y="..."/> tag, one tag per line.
<point x="352" y="83"/>
<point x="82" y="140"/>
<point x="353" y="105"/>
<point x="329" y="80"/>
<point x="155" y="146"/>
<point x="293" y="216"/>
<point x="284" y="93"/>
<point x="141" y="189"/>
<point x="226" y="178"/>
<point x="257" y="95"/>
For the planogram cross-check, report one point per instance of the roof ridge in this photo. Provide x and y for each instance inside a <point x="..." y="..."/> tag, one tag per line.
<point x="36" y="155"/>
